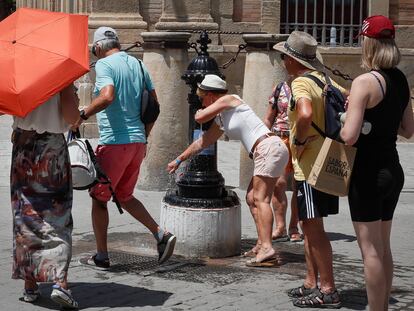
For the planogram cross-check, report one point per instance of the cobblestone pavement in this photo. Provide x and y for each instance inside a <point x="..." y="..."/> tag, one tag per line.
<point x="135" y="282"/>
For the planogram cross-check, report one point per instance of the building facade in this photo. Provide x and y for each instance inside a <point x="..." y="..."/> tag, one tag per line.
<point x="334" y="23"/>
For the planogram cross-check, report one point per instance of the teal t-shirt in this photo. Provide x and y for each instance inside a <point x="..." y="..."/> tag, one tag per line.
<point x="120" y="122"/>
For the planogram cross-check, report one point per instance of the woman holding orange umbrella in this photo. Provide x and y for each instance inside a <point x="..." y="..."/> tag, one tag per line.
<point x="41" y="54"/>
<point x="41" y="197"/>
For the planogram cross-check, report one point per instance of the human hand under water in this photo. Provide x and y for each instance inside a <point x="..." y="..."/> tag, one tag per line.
<point x="173" y="166"/>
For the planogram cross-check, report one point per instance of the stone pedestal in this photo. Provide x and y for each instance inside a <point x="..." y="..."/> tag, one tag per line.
<point x="262" y="72"/>
<point x="122" y="15"/>
<point x="166" y="58"/>
<point x="203" y="232"/>
<point x="186" y="15"/>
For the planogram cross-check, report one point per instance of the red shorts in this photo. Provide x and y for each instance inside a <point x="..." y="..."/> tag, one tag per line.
<point x="121" y="163"/>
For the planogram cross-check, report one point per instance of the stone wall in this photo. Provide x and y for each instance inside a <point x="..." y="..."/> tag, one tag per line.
<point x="402" y="12"/>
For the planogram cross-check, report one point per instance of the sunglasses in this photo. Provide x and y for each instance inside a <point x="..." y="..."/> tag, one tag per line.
<point x="282" y="56"/>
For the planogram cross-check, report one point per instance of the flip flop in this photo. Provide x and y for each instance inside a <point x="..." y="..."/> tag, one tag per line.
<point x="280" y="238"/>
<point x="269" y="262"/>
<point x="295" y="236"/>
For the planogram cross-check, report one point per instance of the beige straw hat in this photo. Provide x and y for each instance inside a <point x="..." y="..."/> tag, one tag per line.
<point x="302" y="47"/>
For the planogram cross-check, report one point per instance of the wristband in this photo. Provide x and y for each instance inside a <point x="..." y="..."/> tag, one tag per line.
<point x="178" y="161"/>
<point x="82" y="115"/>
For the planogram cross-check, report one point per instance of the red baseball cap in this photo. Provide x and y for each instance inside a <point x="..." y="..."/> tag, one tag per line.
<point x="377" y="26"/>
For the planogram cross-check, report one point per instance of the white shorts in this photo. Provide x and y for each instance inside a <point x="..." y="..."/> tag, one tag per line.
<point x="270" y="157"/>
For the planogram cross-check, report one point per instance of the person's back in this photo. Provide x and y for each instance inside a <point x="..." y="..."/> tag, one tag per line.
<point x="45" y="118"/>
<point x="122" y="144"/>
<point x="120" y="122"/>
<point x="241" y="123"/>
<point x="381" y="97"/>
<point x="386" y="116"/>
<point x="303" y="87"/>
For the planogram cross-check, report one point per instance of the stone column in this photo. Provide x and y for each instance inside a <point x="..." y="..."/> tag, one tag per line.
<point x="185" y="15"/>
<point x="263" y="70"/>
<point x="122" y="15"/>
<point x="89" y="128"/>
<point x="166" y="58"/>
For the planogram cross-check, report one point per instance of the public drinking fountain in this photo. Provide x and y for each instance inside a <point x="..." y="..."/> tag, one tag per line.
<point x="199" y="210"/>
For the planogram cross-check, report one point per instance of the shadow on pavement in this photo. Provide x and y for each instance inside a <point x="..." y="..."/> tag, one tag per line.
<point x="356" y="298"/>
<point x="106" y="295"/>
<point x="335" y="236"/>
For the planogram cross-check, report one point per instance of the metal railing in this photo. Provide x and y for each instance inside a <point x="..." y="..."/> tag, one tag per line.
<point x="331" y="22"/>
<point x="67" y="6"/>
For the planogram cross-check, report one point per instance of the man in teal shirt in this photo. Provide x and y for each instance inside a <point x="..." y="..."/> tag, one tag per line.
<point x="122" y="140"/>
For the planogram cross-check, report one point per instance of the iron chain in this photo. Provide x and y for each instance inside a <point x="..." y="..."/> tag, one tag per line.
<point x="344" y="76"/>
<point x="234" y="58"/>
<point x="336" y="72"/>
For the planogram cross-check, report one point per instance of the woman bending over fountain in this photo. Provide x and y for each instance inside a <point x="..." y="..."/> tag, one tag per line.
<point x="237" y="120"/>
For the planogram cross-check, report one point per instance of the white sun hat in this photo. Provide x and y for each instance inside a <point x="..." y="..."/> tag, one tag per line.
<point x="213" y="83"/>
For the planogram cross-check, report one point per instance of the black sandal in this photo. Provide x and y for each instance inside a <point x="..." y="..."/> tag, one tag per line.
<point x="319" y="300"/>
<point x="300" y="291"/>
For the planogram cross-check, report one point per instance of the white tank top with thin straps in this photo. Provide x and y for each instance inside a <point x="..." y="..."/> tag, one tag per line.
<point x="241" y="123"/>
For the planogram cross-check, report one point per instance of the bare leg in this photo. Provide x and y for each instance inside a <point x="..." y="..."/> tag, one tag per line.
<point x="321" y="252"/>
<point x="30" y="282"/>
<point x="140" y="213"/>
<point x="294" y="214"/>
<point x="279" y="202"/>
<point x="263" y="189"/>
<point x="388" y="261"/>
<point x="253" y="211"/>
<point x="64" y="283"/>
<point x="311" y="279"/>
<point x="100" y="221"/>
<point x="370" y="241"/>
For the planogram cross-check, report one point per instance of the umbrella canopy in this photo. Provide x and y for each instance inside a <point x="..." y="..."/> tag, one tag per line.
<point x="41" y="53"/>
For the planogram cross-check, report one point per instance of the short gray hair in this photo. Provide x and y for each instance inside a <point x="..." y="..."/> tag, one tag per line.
<point x="109" y="44"/>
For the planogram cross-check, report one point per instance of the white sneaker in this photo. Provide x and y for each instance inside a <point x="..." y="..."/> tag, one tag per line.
<point x="31" y="295"/>
<point x="63" y="297"/>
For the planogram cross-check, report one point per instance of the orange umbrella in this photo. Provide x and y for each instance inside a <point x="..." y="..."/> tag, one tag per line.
<point x="41" y="53"/>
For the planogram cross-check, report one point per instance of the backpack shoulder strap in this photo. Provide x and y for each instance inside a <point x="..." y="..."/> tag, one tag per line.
<point x="316" y="80"/>
<point x="322" y="86"/>
<point x="276" y="95"/>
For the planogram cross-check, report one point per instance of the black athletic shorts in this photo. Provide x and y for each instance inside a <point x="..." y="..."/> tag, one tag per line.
<point x="374" y="191"/>
<point x="313" y="203"/>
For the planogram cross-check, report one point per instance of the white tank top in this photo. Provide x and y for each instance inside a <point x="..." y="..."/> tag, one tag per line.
<point x="45" y="118"/>
<point x="241" y="123"/>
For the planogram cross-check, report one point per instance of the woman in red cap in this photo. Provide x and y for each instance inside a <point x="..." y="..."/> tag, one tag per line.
<point x="381" y="97"/>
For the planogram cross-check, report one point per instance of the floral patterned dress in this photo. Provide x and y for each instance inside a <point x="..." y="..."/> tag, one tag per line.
<point x="41" y="199"/>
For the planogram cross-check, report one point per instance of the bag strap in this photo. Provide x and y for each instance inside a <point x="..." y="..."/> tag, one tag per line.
<point x="316" y="80"/>
<point x="102" y="175"/>
<point x="73" y="135"/>
<point x="276" y="95"/>
<point x="143" y="74"/>
<point x="322" y="86"/>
